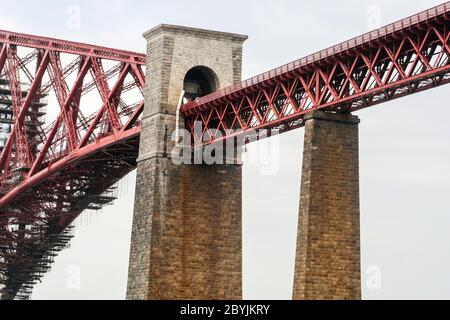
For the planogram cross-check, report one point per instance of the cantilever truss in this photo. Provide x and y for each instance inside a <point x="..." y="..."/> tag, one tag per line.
<point x="52" y="170"/>
<point x="63" y="158"/>
<point x="397" y="60"/>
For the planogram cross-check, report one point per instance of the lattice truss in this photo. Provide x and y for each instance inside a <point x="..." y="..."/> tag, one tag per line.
<point x="70" y="114"/>
<point x="400" y="59"/>
<point x="70" y="120"/>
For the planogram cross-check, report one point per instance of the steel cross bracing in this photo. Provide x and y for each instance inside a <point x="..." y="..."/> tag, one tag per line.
<point x="397" y="60"/>
<point x="75" y="114"/>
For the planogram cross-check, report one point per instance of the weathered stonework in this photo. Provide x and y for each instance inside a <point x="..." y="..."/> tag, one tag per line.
<point x="187" y="226"/>
<point x="328" y="248"/>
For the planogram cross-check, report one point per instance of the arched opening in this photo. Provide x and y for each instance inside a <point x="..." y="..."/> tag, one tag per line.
<point x="198" y="82"/>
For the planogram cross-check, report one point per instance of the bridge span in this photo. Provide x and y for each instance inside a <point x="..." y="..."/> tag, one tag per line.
<point x="78" y="118"/>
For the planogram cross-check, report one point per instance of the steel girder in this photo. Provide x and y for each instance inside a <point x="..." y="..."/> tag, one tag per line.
<point x="76" y="120"/>
<point x="53" y="170"/>
<point x="72" y="135"/>
<point x="397" y="60"/>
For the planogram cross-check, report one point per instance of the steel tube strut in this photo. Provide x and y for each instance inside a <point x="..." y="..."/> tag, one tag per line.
<point x="50" y="174"/>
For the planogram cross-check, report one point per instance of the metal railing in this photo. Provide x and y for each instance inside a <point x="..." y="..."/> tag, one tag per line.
<point x="326" y="53"/>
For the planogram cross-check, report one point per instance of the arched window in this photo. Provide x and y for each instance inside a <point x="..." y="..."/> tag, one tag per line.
<point x="198" y="82"/>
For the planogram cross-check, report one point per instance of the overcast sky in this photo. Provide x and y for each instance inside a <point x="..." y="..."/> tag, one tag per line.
<point x="405" y="150"/>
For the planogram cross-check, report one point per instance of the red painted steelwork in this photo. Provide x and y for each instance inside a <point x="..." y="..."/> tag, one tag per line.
<point x="71" y="132"/>
<point x="400" y="59"/>
<point x="49" y="175"/>
<point x="76" y="48"/>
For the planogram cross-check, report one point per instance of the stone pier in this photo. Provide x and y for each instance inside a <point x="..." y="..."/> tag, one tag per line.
<point x="187" y="227"/>
<point x="328" y="248"/>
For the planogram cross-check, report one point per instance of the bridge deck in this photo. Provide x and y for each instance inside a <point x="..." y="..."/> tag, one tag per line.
<point x="48" y="179"/>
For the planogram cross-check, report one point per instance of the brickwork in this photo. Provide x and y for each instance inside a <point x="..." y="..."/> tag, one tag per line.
<point x="187" y="226"/>
<point x="328" y="248"/>
<point x="194" y="217"/>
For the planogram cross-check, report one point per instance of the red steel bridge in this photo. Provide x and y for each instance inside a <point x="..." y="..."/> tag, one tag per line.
<point x="71" y="119"/>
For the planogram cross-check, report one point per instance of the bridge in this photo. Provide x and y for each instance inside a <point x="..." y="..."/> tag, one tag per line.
<point x="77" y="118"/>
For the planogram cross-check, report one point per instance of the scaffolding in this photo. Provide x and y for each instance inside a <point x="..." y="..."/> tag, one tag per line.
<point x="27" y="245"/>
<point x="35" y="116"/>
<point x="29" y="242"/>
<point x="28" y="260"/>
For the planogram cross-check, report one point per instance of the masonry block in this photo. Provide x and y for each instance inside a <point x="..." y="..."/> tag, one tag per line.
<point x="328" y="249"/>
<point x="187" y="226"/>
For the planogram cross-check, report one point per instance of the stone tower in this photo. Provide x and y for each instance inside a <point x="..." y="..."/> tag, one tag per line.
<point x="187" y="225"/>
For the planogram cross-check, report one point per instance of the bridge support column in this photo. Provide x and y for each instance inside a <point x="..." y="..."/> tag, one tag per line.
<point x="6" y="297"/>
<point x="187" y="232"/>
<point x="328" y="248"/>
<point x="187" y="228"/>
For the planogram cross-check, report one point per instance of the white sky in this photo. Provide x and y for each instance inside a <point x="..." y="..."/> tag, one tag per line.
<point x="405" y="150"/>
